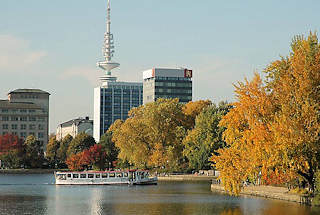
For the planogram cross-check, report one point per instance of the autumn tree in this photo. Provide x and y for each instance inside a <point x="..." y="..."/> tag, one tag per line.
<point x="95" y="157"/>
<point x="294" y="82"/>
<point x="81" y="142"/>
<point x="206" y="137"/>
<point x="152" y="135"/>
<point x="273" y="129"/>
<point x="75" y="162"/>
<point x="11" y="151"/>
<point x="192" y="109"/>
<point x="52" y="151"/>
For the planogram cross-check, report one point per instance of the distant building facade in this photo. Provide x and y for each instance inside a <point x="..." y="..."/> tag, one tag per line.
<point x="112" y="101"/>
<point x="26" y="112"/>
<point x="167" y="83"/>
<point x="74" y="127"/>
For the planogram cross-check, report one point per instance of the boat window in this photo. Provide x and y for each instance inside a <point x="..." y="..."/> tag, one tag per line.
<point x="112" y="175"/>
<point x="97" y="175"/>
<point x="83" y="175"/>
<point x="90" y="175"/>
<point x="61" y="176"/>
<point x="69" y="175"/>
<point x="75" y="175"/>
<point x="125" y="174"/>
<point x="104" y="175"/>
<point x="119" y="175"/>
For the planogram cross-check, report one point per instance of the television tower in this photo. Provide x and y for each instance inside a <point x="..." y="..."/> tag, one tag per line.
<point x="108" y="49"/>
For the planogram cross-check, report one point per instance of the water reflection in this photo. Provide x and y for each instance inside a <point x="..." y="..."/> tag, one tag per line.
<point x="167" y="198"/>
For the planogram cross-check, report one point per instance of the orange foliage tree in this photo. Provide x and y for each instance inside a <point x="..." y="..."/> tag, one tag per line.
<point x="75" y="162"/>
<point x="11" y="151"/>
<point x="273" y="129"/>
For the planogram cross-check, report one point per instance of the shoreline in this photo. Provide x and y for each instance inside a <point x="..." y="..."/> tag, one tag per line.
<point x="269" y="192"/>
<point x="27" y="171"/>
<point x="186" y="178"/>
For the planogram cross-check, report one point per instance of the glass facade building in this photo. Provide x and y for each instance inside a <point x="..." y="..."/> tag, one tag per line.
<point x="113" y="101"/>
<point x="167" y="83"/>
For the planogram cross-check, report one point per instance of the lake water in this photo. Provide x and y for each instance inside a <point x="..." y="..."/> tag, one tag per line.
<point x="36" y="194"/>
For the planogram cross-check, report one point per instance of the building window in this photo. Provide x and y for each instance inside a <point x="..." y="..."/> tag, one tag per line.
<point x="5" y="118"/>
<point x="32" y="111"/>
<point x="41" y="127"/>
<point x="23" y="111"/>
<point x="32" y="118"/>
<point x="14" y="133"/>
<point x="31" y="133"/>
<point x="5" y="126"/>
<point x="23" y="126"/>
<point x="41" y="119"/>
<point x="40" y="135"/>
<point x="23" y="118"/>
<point x="5" y="110"/>
<point x="23" y="134"/>
<point x="32" y="127"/>
<point x="4" y="133"/>
<point x="14" y="126"/>
<point x="14" y="118"/>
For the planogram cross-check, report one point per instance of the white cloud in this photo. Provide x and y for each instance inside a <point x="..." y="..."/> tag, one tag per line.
<point x="16" y="54"/>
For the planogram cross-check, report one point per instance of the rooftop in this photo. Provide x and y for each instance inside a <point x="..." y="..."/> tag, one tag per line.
<point x="76" y="121"/>
<point x="29" y="91"/>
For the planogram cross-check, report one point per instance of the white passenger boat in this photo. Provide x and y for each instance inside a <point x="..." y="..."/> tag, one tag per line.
<point x="130" y="177"/>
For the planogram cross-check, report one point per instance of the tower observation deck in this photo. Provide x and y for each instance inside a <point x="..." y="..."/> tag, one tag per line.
<point x="108" y="50"/>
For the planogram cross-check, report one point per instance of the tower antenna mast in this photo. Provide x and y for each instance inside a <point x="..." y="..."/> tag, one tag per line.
<point x="108" y="50"/>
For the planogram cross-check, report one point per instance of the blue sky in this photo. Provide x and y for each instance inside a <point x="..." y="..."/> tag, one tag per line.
<point x="54" y="45"/>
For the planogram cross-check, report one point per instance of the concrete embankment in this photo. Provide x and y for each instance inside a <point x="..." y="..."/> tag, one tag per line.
<point x="26" y="171"/>
<point x="186" y="178"/>
<point x="279" y="193"/>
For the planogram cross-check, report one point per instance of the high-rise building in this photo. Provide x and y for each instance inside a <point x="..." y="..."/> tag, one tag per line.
<point x="26" y="112"/>
<point x="167" y="83"/>
<point x="75" y="127"/>
<point x="112" y="99"/>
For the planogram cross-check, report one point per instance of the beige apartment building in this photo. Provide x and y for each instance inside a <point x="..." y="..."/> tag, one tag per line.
<point x="26" y="112"/>
<point x="74" y="127"/>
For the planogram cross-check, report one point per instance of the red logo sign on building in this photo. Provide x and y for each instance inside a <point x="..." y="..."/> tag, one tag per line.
<point x="187" y="73"/>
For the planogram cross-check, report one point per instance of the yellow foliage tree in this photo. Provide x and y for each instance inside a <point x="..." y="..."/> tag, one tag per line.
<point x="152" y="135"/>
<point x="274" y="127"/>
<point x="193" y="109"/>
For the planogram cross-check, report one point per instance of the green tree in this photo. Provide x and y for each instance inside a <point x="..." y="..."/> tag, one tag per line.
<point x="52" y="151"/>
<point x="206" y="137"/>
<point x="81" y="142"/>
<point x="109" y="148"/>
<point x="33" y="152"/>
<point x="63" y="148"/>
<point x="192" y="109"/>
